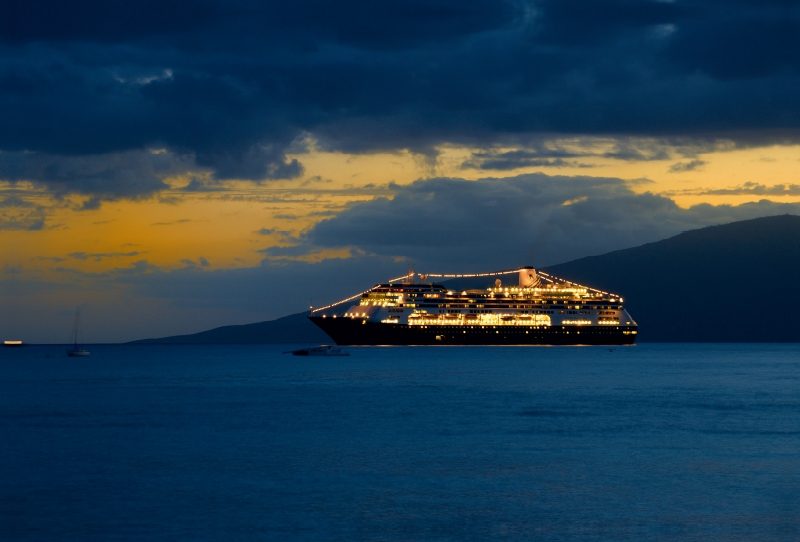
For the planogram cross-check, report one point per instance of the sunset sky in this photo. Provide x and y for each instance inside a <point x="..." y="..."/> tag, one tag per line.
<point x="172" y="166"/>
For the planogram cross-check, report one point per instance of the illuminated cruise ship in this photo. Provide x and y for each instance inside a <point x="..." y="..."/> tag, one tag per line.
<point x="539" y="309"/>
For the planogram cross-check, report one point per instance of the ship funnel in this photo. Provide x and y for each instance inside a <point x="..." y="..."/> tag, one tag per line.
<point x="528" y="278"/>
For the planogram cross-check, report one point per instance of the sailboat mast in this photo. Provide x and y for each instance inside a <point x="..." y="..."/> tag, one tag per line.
<point x="75" y="329"/>
<point x="76" y="350"/>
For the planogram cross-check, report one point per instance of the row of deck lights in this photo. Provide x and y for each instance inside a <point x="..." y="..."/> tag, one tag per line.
<point x="576" y="288"/>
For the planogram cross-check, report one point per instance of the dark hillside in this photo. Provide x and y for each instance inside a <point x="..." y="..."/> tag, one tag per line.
<point x="730" y="283"/>
<point x="295" y="328"/>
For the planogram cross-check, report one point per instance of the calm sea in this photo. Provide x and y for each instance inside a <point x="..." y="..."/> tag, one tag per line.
<point x="174" y="443"/>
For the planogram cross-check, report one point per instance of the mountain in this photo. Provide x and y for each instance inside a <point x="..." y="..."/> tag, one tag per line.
<point x="295" y="328"/>
<point x="729" y="283"/>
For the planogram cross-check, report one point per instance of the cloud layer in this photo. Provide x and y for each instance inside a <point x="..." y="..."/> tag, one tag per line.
<point x="237" y="84"/>
<point x="130" y="174"/>
<point x="531" y="219"/>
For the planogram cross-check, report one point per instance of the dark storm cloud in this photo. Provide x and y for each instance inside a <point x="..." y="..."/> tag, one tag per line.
<point x="541" y="151"/>
<point x="237" y="84"/>
<point x="529" y="219"/>
<point x="272" y="231"/>
<point x="191" y="263"/>
<point x="30" y="220"/>
<point x="100" y="256"/>
<point x="682" y="167"/>
<point x="516" y="159"/>
<point x="14" y="201"/>
<point x="739" y="39"/>
<point x="361" y="22"/>
<point x="256" y="163"/>
<point x="20" y="214"/>
<point x="202" y="185"/>
<point x="756" y="189"/>
<point x="128" y="174"/>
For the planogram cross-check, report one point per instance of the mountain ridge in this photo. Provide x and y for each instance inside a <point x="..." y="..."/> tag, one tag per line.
<point x="292" y="329"/>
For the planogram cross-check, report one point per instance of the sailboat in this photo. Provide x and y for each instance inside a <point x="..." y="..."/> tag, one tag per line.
<point x="76" y="350"/>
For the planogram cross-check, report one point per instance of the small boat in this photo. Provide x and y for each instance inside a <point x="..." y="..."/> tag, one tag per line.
<point x="12" y="343"/>
<point x="76" y="351"/>
<point x="322" y="350"/>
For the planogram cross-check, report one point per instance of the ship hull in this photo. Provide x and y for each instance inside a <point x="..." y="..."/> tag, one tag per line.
<point x="351" y="331"/>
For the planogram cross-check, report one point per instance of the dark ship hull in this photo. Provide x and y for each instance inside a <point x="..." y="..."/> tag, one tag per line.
<point x="353" y="331"/>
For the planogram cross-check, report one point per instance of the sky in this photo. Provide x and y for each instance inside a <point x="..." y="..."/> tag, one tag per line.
<point x="172" y="166"/>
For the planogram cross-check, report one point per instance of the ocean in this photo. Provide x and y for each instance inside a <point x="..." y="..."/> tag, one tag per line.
<point x="242" y="442"/>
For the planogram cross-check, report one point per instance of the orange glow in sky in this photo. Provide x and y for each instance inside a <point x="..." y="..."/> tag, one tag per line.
<point x="227" y="228"/>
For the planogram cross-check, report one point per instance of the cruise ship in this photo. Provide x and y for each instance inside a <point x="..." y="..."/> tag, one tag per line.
<point x="539" y="309"/>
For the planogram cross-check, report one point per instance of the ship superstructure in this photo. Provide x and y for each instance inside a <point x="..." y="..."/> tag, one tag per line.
<point x="539" y="309"/>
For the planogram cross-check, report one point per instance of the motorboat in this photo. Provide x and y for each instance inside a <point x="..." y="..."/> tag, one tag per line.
<point x="322" y="350"/>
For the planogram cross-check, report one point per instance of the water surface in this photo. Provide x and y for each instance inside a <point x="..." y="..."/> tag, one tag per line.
<point x="651" y="442"/>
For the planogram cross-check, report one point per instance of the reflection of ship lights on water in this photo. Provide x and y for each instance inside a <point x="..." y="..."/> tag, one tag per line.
<point x="539" y="309"/>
